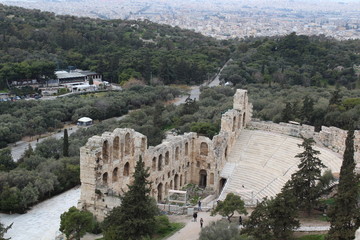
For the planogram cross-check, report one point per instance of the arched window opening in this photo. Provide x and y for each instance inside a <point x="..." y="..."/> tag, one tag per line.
<point x="160" y="190"/>
<point x="115" y="175"/>
<point x="167" y="158"/>
<point x="126" y="169"/>
<point x="143" y="144"/>
<point x="171" y="184"/>
<point x="204" y="149"/>
<point x="186" y="149"/>
<point x="116" y="147"/>
<point x="127" y="144"/>
<point x="176" y="181"/>
<point x="177" y="153"/>
<point x="169" y="174"/>
<point x="153" y="164"/>
<point x="105" y="151"/>
<point x="234" y="124"/>
<point x="244" y="120"/>
<point x="180" y="185"/>
<point x="105" y="178"/>
<point x="160" y="163"/>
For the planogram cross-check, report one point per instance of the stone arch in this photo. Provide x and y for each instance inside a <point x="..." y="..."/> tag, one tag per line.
<point x="181" y="182"/>
<point x="116" y="147"/>
<point x="177" y="153"/>
<point x="171" y="184"/>
<point x="186" y="148"/>
<point x="176" y="181"/>
<point x="244" y="120"/>
<point x="143" y="144"/>
<point x="202" y="178"/>
<point x="160" y="162"/>
<point x="166" y="189"/>
<point x="211" y="178"/>
<point x="234" y="124"/>
<point x="222" y="184"/>
<point x="239" y="122"/>
<point x="153" y="167"/>
<point x="105" y="178"/>
<point x="167" y="157"/>
<point x="105" y="151"/>
<point x="126" y="169"/>
<point x="115" y="175"/>
<point x="160" y="192"/>
<point x="204" y="149"/>
<point x="127" y="144"/>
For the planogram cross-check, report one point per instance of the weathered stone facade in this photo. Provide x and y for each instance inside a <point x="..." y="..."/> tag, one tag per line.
<point x="107" y="162"/>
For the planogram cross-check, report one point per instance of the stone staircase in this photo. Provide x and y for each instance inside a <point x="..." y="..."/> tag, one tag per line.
<point x="262" y="162"/>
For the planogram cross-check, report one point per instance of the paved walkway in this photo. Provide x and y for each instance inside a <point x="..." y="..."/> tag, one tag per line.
<point x="42" y="222"/>
<point x="192" y="229"/>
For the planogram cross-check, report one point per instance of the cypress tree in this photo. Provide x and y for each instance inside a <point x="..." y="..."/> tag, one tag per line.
<point x="135" y="217"/>
<point x="66" y="144"/>
<point x="304" y="181"/>
<point x="344" y="214"/>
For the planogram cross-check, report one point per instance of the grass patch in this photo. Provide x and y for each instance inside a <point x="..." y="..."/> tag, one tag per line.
<point x="312" y="237"/>
<point x="175" y="226"/>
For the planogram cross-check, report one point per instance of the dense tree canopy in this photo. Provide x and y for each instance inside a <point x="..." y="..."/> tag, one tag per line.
<point x="34" y="43"/>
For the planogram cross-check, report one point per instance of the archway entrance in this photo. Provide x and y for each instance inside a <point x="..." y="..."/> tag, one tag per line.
<point x="222" y="184"/>
<point x="176" y="181"/>
<point x="202" y="179"/>
<point x="159" y="188"/>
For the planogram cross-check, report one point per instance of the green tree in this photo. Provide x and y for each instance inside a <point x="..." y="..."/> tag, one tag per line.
<point x="259" y="223"/>
<point x="6" y="161"/>
<point x="283" y="213"/>
<point x="129" y="220"/>
<point x="307" y="109"/>
<point x="304" y="180"/>
<point x="4" y="230"/>
<point x="344" y="214"/>
<point x="287" y="113"/>
<point x="66" y="144"/>
<point x="75" y="223"/>
<point x="228" y="207"/>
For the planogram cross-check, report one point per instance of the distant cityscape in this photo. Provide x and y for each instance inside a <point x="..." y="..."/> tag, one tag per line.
<point x="222" y="19"/>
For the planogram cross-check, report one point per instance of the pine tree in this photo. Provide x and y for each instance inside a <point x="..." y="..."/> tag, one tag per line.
<point x="3" y="230"/>
<point x="287" y="113"/>
<point x="283" y="211"/>
<point x="344" y="214"/>
<point x="259" y="223"/>
<point x="304" y="181"/>
<point x="66" y="144"/>
<point x="307" y="109"/>
<point x="135" y="217"/>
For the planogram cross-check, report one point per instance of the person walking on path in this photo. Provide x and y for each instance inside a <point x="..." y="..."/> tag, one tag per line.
<point x="240" y="220"/>
<point x="199" y="205"/>
<point x="201" y="222"/>
<point x="195" y="216"/>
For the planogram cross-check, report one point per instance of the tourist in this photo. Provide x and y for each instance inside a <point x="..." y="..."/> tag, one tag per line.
<point x="201" y="222"/>
<point x="199" y="205"/>
<point x="195" y="216"/>
<point x="240" y="220"/>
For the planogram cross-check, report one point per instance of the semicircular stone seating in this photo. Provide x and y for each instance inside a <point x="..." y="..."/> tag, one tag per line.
<point x="262" y="162"/>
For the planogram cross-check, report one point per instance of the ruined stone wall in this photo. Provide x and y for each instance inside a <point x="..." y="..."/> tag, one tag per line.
<point x="330" y="137"/>
<point x="107" y="162"/>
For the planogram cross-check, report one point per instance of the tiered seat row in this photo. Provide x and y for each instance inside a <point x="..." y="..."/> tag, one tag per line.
<point x="263" y="162"/>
